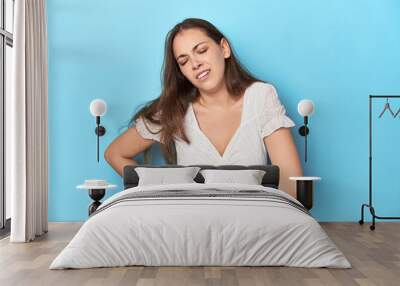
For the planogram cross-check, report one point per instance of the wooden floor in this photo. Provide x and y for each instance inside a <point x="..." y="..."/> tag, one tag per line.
<point x="374" y="255"/>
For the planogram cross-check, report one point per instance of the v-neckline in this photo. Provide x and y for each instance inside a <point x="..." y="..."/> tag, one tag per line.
<point x="227" y="148"/>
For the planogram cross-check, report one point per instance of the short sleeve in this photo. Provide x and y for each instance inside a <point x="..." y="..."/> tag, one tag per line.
<point x="271" y="113"/>
<point x="146" y="129"/>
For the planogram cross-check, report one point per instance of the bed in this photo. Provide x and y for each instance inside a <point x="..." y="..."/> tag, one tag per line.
<point x="201" y="224"/>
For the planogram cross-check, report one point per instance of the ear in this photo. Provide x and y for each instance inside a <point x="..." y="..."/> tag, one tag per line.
<point x="226" y="49"/>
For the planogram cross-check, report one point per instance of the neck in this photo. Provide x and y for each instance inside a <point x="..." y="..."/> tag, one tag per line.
<point x="219" y="97"/>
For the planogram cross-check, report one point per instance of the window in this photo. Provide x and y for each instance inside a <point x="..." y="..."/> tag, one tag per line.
<point x="6" y="61"/>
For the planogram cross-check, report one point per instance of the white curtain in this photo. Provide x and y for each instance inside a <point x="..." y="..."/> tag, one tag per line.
<point x="26" y="124"/>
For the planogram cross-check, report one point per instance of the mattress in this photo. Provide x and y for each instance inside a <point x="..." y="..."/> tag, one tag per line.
<point x="220" y="224"/>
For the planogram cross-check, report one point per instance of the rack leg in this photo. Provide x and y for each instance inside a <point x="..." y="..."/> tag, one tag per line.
<point x="361" y="221"/>
<point x="372" y="210"/>
<point x="374" y="216"/>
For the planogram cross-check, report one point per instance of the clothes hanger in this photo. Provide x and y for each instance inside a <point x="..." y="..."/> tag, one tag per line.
<point x="387" y="106"/>
<point x="398" y="111"/>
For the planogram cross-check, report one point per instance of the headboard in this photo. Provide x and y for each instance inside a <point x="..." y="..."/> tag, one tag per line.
<point x="270" y="179"/>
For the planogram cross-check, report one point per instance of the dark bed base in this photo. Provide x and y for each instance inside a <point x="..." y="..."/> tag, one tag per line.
<point x="270" y="179"/>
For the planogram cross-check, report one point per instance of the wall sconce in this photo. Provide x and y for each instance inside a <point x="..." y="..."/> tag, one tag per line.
<point x="305" y="109"/>
<point x="98" y="108"/>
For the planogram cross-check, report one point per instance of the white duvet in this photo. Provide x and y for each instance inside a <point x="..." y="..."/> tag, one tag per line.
<point x="219" y="231"/>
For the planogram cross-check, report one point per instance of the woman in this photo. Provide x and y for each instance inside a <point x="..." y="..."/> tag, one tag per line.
<point x="210" y="111"/>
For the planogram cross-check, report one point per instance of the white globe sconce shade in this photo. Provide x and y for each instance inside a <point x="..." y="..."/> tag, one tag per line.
<point x="305" y="107"/>
<point x="98" y="107"/>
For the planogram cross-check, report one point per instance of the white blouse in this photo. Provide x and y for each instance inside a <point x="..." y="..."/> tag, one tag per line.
<point x="262" y="114"/>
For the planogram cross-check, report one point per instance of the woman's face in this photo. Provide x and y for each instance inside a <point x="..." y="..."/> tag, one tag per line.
<point x="200" y="59"/>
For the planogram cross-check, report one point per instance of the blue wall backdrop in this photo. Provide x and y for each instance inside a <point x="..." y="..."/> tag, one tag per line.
<point x="335" y="53"/>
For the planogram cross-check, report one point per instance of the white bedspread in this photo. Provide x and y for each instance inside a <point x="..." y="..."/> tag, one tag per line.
<point x="194" y="230"/>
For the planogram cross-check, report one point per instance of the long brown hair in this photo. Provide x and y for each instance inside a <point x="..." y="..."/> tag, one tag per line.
<point x="169" y="109"/>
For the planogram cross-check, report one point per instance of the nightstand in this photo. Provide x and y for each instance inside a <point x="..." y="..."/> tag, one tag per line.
<point x="304" y="190"/>
<point x="97" y="190"/>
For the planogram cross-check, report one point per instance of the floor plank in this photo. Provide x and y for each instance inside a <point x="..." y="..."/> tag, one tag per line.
<point x="374" y="255"/>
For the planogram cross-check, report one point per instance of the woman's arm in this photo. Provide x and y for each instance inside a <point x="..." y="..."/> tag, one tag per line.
<point x="283" y="152"/>
<point x="121" y="151"/>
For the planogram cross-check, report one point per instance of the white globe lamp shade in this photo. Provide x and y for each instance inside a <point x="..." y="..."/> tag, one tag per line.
<point x="98" y="107"/>
<point x="305" y="107"/>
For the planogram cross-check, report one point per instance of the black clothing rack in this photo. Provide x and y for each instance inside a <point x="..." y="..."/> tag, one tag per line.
<point x="369" y="205"/>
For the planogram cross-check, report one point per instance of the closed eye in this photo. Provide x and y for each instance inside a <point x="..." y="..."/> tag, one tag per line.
<point x="200" y="52"/>
<point x="182" y="64"/>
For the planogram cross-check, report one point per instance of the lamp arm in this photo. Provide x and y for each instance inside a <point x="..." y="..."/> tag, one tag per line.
<point x="305" y="138"/>
<point x="305" y="148"/>
<point x="98" y="141"/>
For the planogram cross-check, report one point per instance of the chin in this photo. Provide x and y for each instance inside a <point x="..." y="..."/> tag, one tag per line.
<point x="209" y="86"/>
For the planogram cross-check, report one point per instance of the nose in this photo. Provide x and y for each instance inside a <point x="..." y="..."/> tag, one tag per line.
<point x="195" y="64"/>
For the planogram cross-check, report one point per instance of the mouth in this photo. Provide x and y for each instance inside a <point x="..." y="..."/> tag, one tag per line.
<point x="203" y="75"/>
